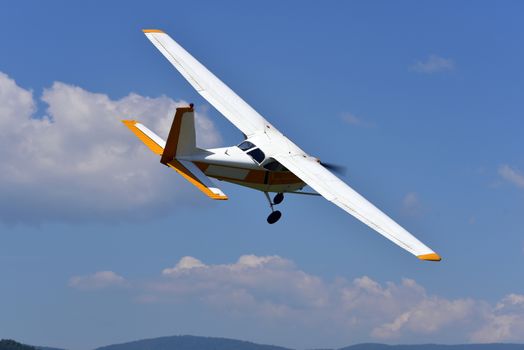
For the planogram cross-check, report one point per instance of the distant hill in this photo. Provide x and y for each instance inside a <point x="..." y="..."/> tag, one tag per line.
<point x="8" y="344"/>
<point x="189" y="342"/>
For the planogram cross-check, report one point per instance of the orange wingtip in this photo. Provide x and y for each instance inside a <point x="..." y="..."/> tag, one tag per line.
<point x="152" y="31"/>
<point x="218" y="197"/>
<point x="430" y="257"/>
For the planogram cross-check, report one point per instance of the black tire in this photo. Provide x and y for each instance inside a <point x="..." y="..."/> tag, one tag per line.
<point x="279" y="197"/>
<point x="274" y="217"/>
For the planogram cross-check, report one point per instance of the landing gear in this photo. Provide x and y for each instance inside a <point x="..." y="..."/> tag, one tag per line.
<point x="279" y="197"/>
<point x="274" y="217"/>
<point x="275" y="214"/>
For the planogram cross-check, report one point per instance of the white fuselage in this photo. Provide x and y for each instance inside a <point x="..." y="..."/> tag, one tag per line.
<point x="234" y="165"/>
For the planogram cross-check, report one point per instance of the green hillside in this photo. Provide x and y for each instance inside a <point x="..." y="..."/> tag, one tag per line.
<point x="187" y="342"/>
<point x="8" y="344"/>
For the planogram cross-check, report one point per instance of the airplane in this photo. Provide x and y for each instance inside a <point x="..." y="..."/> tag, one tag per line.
<point x="265" y="160"/>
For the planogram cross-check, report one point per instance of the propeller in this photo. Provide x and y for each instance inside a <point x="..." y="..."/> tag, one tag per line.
<point x="336" y="168"/>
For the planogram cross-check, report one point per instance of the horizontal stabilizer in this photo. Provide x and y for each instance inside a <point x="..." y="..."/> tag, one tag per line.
<point x="149" y="138"/>
<point x="194" y="175"/>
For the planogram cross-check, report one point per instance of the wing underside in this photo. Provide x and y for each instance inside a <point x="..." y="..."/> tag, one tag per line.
<point x="225" y="100"/>
<point x="338" y="192"/>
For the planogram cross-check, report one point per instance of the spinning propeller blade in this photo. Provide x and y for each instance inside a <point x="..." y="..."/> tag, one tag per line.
<point x="337" y="168"/>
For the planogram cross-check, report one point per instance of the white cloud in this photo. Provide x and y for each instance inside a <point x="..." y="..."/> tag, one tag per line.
<point x="244" y="263"/>
<point x="430" y="315"/>
<point x="512" y="175"/>
<point x="271" y="290"/>
<point x="79" y="162"/>
<point x="186" y="263"/>
<point x="264" y="283"/>
<point x="433" y="64"/>
<point x="352" y="119"/>
<point x="505" y="323"/>
<point x="96" y="281"/>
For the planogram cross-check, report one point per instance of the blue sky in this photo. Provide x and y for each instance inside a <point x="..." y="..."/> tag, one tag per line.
<point x="421" y="100"/>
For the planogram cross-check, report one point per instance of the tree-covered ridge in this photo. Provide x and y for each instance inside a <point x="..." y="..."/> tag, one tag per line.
<point x="8" y="344"/>
<point x="187" y="342"/>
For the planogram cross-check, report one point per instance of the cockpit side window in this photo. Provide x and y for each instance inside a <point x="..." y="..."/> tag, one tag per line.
<point x="244" y="146"/>
<point x="257" y="155"/>
<point x="273" y="165"/>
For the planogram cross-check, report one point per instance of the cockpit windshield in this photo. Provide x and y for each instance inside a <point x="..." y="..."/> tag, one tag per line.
<point x="253" y="151"/>
<point x="244" y="146"/>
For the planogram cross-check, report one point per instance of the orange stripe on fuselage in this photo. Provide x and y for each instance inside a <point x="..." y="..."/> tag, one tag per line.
<point x="258" y="176"/>
<point x="283" y="177"/>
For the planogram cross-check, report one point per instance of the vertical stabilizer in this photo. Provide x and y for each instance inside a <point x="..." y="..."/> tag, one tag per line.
<point x="182" y="139"/>
<point x="182" y="142"/>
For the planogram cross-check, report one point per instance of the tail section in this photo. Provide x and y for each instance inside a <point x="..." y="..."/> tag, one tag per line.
<point x="180" y="142"/>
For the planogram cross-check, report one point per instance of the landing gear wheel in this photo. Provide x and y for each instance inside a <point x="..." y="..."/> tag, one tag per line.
<point x="274" y="217"/>
<point x="279" y="197"/>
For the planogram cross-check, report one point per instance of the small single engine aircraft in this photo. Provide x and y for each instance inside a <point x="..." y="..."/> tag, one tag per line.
<point x="266" y="160"/>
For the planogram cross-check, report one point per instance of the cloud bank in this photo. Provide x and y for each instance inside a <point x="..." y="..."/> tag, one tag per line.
<point x="271" y="290"/>
<point x="78" y="161"/>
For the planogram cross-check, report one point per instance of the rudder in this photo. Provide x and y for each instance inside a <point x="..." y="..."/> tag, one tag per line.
<point x="182" y="138"/>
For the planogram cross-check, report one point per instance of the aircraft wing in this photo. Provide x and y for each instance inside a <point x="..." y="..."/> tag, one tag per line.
<point x="234" y="108"/>
<point x="335" y="190"/>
